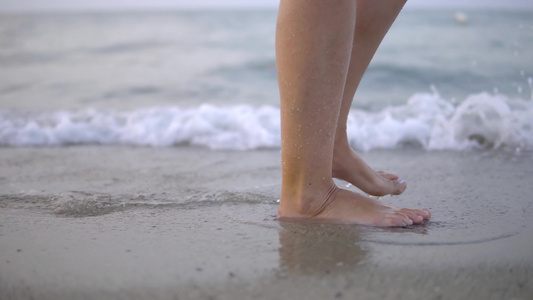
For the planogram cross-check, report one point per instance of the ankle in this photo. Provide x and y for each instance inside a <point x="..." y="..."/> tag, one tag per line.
<point x="306" y="201"/>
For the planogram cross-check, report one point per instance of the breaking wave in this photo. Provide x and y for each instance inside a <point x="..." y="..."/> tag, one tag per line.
<point x="426" y="120"/>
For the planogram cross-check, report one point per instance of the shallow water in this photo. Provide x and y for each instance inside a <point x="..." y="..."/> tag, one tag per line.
<point x="474" y="197"/>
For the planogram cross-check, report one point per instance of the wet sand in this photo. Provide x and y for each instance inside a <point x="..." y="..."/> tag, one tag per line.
<point x="188" y="223"/>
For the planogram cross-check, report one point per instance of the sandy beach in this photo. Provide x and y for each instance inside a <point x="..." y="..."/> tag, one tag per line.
<point x="190" y="223"/>
<point x="108" y="189"/>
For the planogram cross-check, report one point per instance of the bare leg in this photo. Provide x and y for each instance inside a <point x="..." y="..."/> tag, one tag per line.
<point x="313" y="47"/>
<point x="368" y="34"/>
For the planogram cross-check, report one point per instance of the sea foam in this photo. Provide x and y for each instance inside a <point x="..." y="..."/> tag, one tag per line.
<point x="426" y="121"/>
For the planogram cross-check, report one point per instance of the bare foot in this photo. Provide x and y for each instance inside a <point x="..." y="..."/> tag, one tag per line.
<point x="348" y="166"/>
<point x="346" y="207"/>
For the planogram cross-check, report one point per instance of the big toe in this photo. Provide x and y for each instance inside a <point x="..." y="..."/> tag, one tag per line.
<point x="426" y="213"/>
<point x="399" y="186"/>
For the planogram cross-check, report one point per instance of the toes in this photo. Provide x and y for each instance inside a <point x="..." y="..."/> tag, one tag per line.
<point x="393" y="222"/>
<point x="387" y="175"/>
<point x="426" y="213"/>
<point x="398" y="219"/>
<point x="413" y="215"/>
<point x="389" y="186"/>
<point x="417" y="215"/>
<point x="399" y="186"/>
<point x="405" y="217"/>
<point x="398" y="183"/>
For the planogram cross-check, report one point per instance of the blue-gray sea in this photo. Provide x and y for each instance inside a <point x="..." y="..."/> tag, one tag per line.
<point x="442" y="79"/>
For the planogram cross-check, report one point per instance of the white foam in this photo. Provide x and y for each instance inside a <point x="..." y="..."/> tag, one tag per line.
<point x="426" y="120"/>
<point x="482" y="120"/>
<point x="238" y="127"/>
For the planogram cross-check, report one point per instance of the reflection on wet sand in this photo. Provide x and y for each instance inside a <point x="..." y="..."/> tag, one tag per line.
<point x="313" y="249"/>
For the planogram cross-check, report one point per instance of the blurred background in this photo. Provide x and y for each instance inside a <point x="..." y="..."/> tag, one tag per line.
<point x="168" y="72"/>
<point x="18" y="5"/>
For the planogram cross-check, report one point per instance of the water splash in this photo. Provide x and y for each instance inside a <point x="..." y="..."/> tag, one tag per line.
<point x="426" y="120"/>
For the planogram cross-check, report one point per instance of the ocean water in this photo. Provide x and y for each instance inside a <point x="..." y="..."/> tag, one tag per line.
<point x="207" y="78"/>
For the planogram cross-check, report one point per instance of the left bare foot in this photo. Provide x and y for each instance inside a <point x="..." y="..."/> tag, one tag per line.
<point x="348" y="166"/>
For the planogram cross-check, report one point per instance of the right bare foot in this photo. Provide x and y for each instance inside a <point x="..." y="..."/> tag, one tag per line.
<point x="346" y="207"/>
<point x="348" y="166"/>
